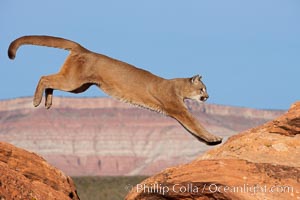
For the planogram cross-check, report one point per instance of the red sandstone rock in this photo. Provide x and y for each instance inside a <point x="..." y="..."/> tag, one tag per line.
<point x="25" y="175"/>
<point x="276" y="142"/>
<point x="288" y="124"/>
<point x="261" y="163"/>
<point x="221" y="179"/>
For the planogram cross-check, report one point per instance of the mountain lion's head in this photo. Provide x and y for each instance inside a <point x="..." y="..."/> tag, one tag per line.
<point x="196" y="89"/>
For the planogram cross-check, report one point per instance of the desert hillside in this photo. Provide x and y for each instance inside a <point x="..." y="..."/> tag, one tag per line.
<point x="101" y="136"/>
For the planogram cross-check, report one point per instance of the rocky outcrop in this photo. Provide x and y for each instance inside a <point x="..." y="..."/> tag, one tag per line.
<point x="276" y="142"/>
<point x="102" y="136"/>
<point x="25" y="175"/>
<point x="260" y="163"/>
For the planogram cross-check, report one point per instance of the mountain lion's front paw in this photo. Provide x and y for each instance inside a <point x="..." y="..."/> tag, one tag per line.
<point x="214" y="140"/>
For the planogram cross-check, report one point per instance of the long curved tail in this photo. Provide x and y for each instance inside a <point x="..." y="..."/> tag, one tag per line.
<point x="42" y="40"/>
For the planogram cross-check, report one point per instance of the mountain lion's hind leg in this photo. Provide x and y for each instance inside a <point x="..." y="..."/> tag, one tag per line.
<point x="53" y="82"/>
<point x="48" y="97"/>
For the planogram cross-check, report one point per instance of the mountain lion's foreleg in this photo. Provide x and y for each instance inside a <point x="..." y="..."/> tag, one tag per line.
<point x="194" y="127"/>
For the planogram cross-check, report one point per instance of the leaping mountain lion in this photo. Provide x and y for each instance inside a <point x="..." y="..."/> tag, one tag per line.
<point x="123" y="81"/>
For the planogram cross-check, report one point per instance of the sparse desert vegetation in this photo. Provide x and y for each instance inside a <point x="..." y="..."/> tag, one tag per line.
<point x="108" y="187"/>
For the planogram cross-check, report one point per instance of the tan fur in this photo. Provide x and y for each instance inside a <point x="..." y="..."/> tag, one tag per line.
<point x="125" y="82"/>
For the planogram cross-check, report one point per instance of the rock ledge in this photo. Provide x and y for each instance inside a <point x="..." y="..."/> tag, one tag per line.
<point x="25" y="175"/>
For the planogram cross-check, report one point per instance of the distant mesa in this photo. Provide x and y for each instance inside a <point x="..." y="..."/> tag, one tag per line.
<point x="102" y="136"/>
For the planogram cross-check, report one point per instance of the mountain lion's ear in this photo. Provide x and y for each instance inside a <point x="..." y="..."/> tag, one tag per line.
<point x="196" y="79"/>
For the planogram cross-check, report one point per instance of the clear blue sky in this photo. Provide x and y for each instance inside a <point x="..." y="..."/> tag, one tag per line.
<point x="248" y="52"/>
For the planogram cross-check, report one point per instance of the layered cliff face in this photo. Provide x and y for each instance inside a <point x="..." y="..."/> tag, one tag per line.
<point x="260" y="163"/>
<point x="101" y="136"/>
<point x="25" y="175"/>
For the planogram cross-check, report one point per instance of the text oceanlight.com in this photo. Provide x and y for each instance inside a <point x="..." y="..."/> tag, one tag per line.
<point x="211" y="188"/>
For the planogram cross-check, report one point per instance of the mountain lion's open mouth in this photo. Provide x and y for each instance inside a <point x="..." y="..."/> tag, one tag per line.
<point x="203" y="98"/>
